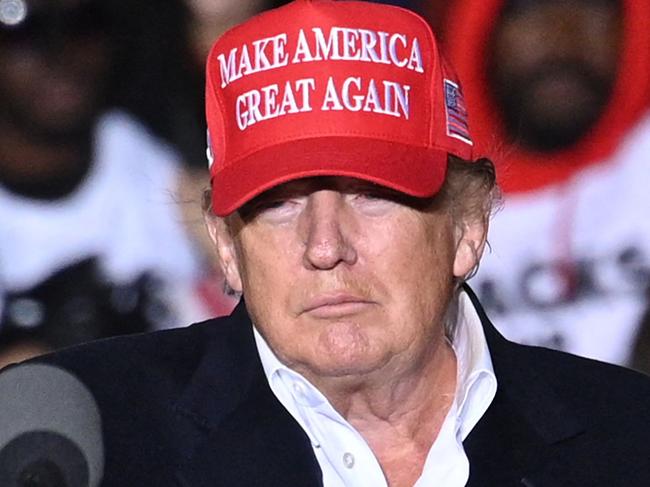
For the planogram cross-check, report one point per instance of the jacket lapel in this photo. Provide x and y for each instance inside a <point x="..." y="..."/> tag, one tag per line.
<point x="244" y="435"/>
<point x="517" y="442"/>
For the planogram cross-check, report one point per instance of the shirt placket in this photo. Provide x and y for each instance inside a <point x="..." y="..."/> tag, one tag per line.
<point x="347" y="452"/>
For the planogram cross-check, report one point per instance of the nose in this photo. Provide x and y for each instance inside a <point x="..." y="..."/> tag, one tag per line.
<point x="327" y="232"/>
<point x="567" y="37"/>
<point x="564" y="39"/>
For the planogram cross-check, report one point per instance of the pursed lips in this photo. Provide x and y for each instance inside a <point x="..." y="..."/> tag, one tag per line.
<point x="333" y="305"/>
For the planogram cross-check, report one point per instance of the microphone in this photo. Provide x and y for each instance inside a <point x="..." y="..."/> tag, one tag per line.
<point x="50" y="429"/>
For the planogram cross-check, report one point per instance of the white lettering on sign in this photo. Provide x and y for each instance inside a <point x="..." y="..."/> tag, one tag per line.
<point x="339" y="44"/>
<point x="238" y="63"/>
<point x="273" y="101"/>
<point x="354" y="94"/>
<point x="343" y="44"/>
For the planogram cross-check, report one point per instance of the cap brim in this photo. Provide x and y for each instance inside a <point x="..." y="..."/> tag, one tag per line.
<point x="415" y="171"/>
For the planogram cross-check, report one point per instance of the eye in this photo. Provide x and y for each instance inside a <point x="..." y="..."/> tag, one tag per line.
<point x="371" y="201"/>
<point x="271" y="204"/>
<point x="274" y="209"/>
<point x="369" y="195"/>
<point x="374" y="193"/>
<point x="258" y="206"/>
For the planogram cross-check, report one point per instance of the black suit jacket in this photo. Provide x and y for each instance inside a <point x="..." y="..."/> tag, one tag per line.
<point x="191" y="407"/>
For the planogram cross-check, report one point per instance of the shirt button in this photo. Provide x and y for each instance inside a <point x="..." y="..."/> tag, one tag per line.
<point x="348" y="460"/>
<point x="298" y="389"/>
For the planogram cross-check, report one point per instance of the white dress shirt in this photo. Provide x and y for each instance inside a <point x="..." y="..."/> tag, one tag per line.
<point x="345" y="458"/>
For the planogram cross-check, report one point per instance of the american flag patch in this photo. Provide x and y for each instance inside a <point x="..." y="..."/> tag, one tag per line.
<point x="457" y="125"/>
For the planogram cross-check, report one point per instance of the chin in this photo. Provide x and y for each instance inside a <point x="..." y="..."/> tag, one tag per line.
<point x="345" y="349"/>
<point x="342" y="367"/>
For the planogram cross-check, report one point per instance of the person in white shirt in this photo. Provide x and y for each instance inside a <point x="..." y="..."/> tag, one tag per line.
<point x="559" y="96"/>
<point x="84" y="189"/>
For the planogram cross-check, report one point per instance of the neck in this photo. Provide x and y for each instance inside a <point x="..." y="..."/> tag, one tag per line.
<point x="384" y="393"/>
<point x="400" y="414"/>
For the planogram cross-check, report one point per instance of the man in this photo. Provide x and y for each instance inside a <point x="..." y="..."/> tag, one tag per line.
<point x="347" y="208"/>
<point x="89" y="234"/>
<point x="559" y="90"/>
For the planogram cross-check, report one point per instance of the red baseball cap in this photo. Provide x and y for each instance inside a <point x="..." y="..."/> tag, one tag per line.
<point x="337" y="88"/>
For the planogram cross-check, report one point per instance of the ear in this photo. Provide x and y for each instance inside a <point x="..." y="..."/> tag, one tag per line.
<point x="470" y="243"/>
<point x="225" y="247"/>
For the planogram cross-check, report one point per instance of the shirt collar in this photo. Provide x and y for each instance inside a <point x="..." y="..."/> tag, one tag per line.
<point x="476" y="382"/>
<point x="282" y="379"/>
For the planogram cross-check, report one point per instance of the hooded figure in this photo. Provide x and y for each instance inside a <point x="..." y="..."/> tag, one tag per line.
<point x="558" y="91"/>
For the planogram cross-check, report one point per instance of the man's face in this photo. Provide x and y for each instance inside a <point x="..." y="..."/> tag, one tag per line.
<point x="53" y="67"/>
<point x="552" y="67"/>
<point x="344" y="278"/>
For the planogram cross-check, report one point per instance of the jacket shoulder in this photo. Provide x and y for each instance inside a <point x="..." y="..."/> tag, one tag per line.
<point x="134" y="365"/>
<point x="559" y="419"/>
<point x="602" y="395"/>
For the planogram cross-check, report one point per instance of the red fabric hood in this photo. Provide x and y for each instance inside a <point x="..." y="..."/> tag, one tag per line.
<point x="467" y="33"/>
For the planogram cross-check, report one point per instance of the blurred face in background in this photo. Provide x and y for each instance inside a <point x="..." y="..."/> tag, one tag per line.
<point x="55" y="60"/>
<point x="211" y="18"/>
<point x="553" y="65"/>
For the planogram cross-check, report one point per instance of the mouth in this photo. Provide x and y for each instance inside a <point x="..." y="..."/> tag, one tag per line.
<point x="336" y="305"/>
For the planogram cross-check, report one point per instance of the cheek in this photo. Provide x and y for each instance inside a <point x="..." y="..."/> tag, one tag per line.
<point x="418" y="267"/>
<point x="516" y="61"/>
<point x="267" y="267"/>
<point x="417" y="273"/>
<point x="432" y="269"/>
<point x="18" y="72"/>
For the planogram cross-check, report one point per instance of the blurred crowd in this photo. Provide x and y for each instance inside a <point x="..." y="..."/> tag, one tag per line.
<point x="102" y="166"/>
